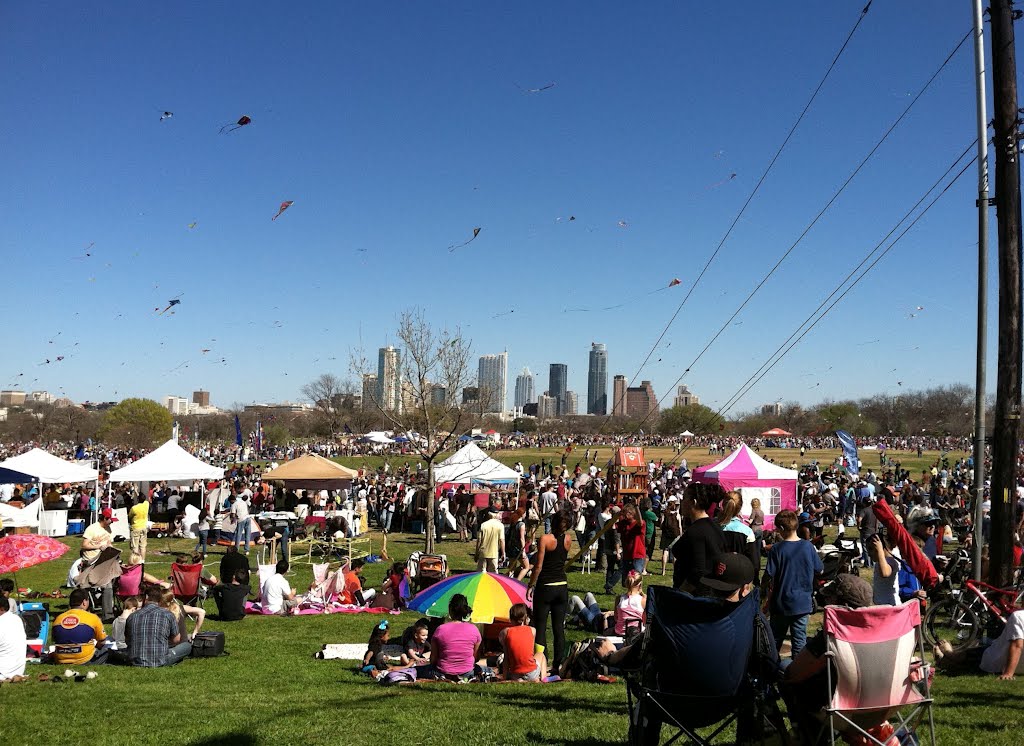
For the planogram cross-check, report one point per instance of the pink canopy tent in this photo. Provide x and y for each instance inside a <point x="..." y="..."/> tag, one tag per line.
<point x="752" y="476"/>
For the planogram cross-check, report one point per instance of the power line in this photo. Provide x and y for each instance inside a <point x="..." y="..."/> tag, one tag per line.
<point x="750" y="197"/>
<point x="820" y="214"/>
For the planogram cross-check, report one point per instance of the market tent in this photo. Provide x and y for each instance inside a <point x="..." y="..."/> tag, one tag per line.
<point x="752" y="476"/>
<point x="49" y="469"/>
<point x="11" y="476"/>
<point x="312" y="472"/>
<point x="777" y="432"/>
<point x="168" y="463"/>
<point x="379" y="437"/>
<point x="686" y="434"/>
<point x="471" y="464"/>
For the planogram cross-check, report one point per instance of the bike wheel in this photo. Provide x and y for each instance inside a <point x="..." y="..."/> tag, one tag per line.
<point x="951" y="621"/>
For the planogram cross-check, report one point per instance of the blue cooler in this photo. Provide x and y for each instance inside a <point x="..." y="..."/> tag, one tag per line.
<point x="76" y="527"/>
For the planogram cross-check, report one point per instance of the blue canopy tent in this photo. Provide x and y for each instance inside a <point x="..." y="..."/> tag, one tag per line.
<point x="11" y="476"/>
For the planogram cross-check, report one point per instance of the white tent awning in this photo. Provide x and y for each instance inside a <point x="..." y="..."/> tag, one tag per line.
<point x="471" y="464"/>
<point x="170" y="462"/>
<point x="48" y="468"/>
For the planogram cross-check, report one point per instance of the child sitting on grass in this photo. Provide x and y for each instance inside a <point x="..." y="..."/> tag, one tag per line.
<point x="377" y="657"/>
<point x="129" y="605"/>
<point x="416" y="650"/>
<point x="518" y="642"/>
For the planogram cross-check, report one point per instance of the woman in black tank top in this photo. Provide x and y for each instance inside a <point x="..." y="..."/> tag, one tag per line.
<point x="549" y="587"/>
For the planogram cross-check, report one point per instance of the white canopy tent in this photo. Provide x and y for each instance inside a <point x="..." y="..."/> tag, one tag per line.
<point x="168" y="463"/>
<point x="49" y="469"/>
<point x="471" y="464"/>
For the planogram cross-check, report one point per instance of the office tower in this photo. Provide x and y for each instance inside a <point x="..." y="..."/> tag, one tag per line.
<point x="470" y="396"/>
<point x="202" y="398"/>
<point x="389" y="380"/>
<point x="547" y="406"/>
<point x="597" y="380"/>
<point x="492" y="378"/>
<point x="772" y="410"/>
<point x="619" y="396"/>
<point x="369" y="400"/>
<point x="571" y="405"/>
<point x="641" y="401"/>
<point x="685" y="397"/>
<point x="524" y="389"/>
<point x="439" y="395"/>
<point x="558" y="374"/>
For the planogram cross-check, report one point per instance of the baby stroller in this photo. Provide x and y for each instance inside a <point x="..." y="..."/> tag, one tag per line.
<point x="426" y="569"/>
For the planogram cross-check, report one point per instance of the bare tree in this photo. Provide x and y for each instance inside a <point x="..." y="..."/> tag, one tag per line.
<point x="327" y="394"/>
<point x="431" y="358"/>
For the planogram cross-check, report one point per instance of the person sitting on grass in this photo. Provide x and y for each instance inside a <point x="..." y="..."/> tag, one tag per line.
<point x="1003" y="657"/>
<point x="153" y="636"/>
<point x="416" y="649"/>
<point x="521" y="662"/>
<point x="12" y="642"/>
<point x="180" y="611"/>
<point x="128" y="607"/>
<point x="391" y="593"/>
<point x="455" y="646"/>
<point x="232" y="561"/>
<point x="354" y="585"/>
<point x="628" y="613"/>
<point x="375" y="658"/>
<point x="76" y="633"/>
<point x="277" y="594"/>
<point x="134" y="560"/>
<point x="230" y="597"/>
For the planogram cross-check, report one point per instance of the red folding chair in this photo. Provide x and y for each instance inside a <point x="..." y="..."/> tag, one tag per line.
<point x="875" y="674"/>
<point x="187" y="581"/>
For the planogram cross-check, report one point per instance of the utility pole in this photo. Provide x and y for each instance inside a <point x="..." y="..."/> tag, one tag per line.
<point x="982" y="339"/>
<point x="1008" y="382"/>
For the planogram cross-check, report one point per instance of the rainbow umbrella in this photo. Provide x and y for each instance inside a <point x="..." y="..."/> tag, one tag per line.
<point x="491" y="596"/>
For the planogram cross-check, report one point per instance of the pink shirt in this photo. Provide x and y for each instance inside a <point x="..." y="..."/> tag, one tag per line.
<point x="628" y="609"/>
<point x="456" y="644"/>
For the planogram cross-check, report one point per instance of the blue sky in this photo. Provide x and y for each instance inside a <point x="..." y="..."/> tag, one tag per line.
<point x="396" y="130"/>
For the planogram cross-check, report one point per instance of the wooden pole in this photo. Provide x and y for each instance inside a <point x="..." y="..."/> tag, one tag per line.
<point x="1008" y="383"/>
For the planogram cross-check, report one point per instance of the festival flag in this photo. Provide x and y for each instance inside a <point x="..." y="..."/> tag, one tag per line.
<point x="850" y="452"/>
<point x="259" y="436"/>
<point x="238" y="431"/>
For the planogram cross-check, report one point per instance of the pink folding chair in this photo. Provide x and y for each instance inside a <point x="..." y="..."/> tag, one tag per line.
<point x="130" y="582"/>
<point x="875" y="674"/>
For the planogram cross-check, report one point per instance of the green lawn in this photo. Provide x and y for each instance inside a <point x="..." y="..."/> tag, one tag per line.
<point x="271" y="690"/>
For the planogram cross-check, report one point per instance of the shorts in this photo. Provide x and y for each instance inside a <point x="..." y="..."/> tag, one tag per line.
<point x="533" y="675"/>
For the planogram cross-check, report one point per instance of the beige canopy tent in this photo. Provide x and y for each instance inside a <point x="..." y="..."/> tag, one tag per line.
<point x="312" y="472"/>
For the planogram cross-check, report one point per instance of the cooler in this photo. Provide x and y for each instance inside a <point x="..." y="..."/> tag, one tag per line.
<point x="76" y="527"/>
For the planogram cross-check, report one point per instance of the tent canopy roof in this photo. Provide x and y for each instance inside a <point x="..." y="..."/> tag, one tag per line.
<point x="11" y="476"/>
<point x="170" y="462"/>
<point x="471" y="464"/>
<point x="48" y="468"/>
<point x="741" y="464"/>
<point x="776" y="431"/>
<point x="308" y="467"/>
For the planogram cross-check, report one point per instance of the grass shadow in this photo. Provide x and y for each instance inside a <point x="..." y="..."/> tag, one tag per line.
<point x="236" y="738"/>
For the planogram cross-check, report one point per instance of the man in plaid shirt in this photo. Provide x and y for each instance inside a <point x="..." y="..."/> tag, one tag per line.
<point x="152" y="635"/>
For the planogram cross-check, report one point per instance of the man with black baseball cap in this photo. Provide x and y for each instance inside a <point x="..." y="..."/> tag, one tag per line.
<point x="731" y="578"/>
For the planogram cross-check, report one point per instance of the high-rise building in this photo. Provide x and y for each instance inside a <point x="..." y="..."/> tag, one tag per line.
<point x="597" y="380"/>
<point x="524" y="389"/>
<point x="547" y="406"/>
<point x="438" y="395"/>
<point x="571" y="405"/>
<point x="202" y="398"/>
<point x="619" y="396"/>
<point x="685" y="397"/>
<point x="369" y="402"/>
<point x="389" y="379"/>
<point x="772" y="410"/>
<point x="641" y="401"/>
<point x="558" y="374"/>
<point x="176" y="405"/>
<point x="492" y="379"/>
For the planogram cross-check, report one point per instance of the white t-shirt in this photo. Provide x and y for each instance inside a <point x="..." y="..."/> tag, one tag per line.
<point x="993" y="660"/>
<point x="12" y="645"/>
<point x="240" y="510"/>
<point x="274" y="592"/>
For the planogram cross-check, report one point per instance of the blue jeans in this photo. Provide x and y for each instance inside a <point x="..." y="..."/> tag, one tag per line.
<point x="612" y="574"/>
<point x="637" y="565"/>
<point x="243" y="530"/>
<point x="796" y="625"/>
<point x="386" y="517"/>
<point x="201" y="544"/>
<point x="178" y="653"/>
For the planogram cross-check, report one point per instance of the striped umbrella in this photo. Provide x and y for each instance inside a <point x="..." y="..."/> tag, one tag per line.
<point x="491" y="596"/>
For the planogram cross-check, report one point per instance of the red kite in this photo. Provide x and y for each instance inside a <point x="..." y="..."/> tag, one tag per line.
<point x="243" y="120"/>
<point x="284" y="206"/>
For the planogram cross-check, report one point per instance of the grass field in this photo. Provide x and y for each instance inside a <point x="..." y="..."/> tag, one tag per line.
<point x="271" y="690"/>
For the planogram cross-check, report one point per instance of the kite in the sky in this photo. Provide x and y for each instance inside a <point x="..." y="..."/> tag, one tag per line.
<point x="536" y="90"/>
<point x="166" y="115"/>
<point x="193" y="224"/>
<point x="504" y="313"/>
<point x="284" y="206"/>
<point x="205" y="350"/>
<point x="170" y="304"/>
<point x="719" y="183"/>
<point x="453" y="247"/>
<point x="672" y="283"/>
<point x="623" y="224"/>
<point x="87" y="252"/>
<point x="675" y="281"/>
<point x="242" y="121"/>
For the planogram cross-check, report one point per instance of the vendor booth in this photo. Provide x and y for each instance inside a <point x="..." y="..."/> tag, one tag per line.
<point x="752" y="476"/>
<point x="45" y="468"/>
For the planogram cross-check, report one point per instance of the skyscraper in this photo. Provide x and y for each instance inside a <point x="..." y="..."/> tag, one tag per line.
<point x="524" y="389"/>
<point x="571" y="405"/>
<point x="202" y="398"/>
<point x="389" y="379"/>
<point x="619" y="396"/>
<point x="597" y="380"/>
<point x="641" y="401"/>
<point x="369" y="392"/>
<point x="685" y="397"/>
<point x="492" y="378"/>
<point x="547" y="406"/>
<point x="558" y="374"/>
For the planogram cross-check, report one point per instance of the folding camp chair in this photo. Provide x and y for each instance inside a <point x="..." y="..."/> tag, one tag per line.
<point x="698" y="669"/>
<point x="875" y="676"/>
<point x="187" y="583"/>
<point x="130" y="582"/>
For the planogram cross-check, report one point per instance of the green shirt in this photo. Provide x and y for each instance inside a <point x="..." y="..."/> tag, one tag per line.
<point x="649" y="520"/>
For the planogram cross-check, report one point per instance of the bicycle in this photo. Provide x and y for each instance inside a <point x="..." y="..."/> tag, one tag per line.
<point x="961" y="617"/>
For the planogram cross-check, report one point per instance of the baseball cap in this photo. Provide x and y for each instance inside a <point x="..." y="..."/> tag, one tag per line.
<point x="731" y="572"/>
<point x="108" y="513"/>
